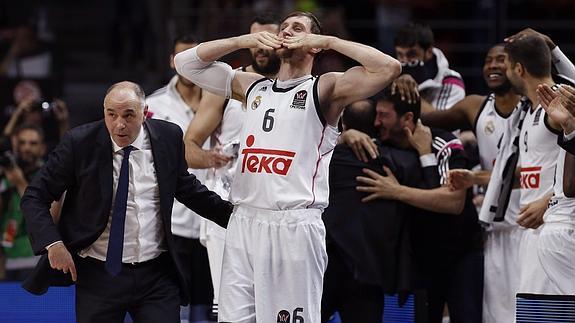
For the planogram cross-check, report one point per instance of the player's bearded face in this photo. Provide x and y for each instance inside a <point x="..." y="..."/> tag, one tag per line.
<point x="388" y="124"/>
<point x="265" y="61"/>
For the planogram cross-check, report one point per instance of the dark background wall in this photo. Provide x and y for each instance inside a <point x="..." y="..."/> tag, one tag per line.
<point x="98" y="42"/>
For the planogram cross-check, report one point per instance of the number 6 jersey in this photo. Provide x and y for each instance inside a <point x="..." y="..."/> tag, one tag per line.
<point x="285" y="147"/>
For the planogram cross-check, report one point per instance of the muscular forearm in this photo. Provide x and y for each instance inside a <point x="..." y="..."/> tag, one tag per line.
<point x="370" y="58"/>
<point x="481" y="177"/>
<point x="441" y="199"/>
<point x="196" y="157"/>
<point x="216" y="49"/>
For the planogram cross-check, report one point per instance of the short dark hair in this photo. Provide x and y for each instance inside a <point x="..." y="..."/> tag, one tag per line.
<point x="360" y="117"/>
<point x="400" y="106"/>
<point x="27" y="126"/>
<point x="532" y="52"/>
<point x="266" y="18"/>
<point x="315" y="24"/>
<point x="185" y="39"/>
<point x="414" y="34"/>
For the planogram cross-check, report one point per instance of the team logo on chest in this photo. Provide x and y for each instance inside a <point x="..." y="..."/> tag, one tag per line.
<point x="299" y="100"/>
<point x="256" y="102"/>
<point x="260" y="160"/>
<point x="489" y="127"/>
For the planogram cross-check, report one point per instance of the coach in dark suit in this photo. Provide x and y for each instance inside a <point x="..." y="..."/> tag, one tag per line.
<point x="117" y="248"/>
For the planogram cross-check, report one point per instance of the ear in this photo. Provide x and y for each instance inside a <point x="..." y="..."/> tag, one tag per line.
<point x="519" y="69"/>
<point x="146" y="112"/>
<point x="407" y="119"/>
<point x="172" y="62"/>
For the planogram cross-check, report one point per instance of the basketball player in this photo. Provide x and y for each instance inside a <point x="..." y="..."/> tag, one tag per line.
<point x="274" y="256"/>
<point x="556" y="245"/>
<point x="222" y="119"/>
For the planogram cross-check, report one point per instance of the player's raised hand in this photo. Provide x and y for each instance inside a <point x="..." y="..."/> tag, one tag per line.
<point x="559" y="105"/>
<point x="262" y="40"/>
<point x="531" y="32"/>
<point x="407" y="88"/>
<point x="306" y="41"/>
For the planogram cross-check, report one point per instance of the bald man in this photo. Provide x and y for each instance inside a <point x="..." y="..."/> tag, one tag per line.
<point x="113" y="240"/>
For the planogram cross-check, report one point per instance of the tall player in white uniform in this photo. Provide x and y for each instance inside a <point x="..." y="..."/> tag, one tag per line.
<point x="556" y="247"/>
<point x="275" y="257"/>
<point x="221" y="120"/>
<point x="528" y="66"/>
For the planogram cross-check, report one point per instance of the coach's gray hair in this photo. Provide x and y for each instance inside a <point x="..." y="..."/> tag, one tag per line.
<point x="132" y="86"/>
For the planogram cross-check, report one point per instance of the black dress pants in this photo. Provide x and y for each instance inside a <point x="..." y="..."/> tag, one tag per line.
<point x="148" y="291"/>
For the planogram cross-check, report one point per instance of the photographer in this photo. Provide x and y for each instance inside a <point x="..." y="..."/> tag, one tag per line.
<point x="17" y="171"/>
<point x="30" y="108"/>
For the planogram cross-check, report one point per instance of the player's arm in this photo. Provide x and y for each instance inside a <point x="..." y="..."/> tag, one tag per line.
<point x="569" y="175"/>
<point x="440" y="199"/>
<point x="199" y="65"/>
<point x="337" y="90"/>
<point x="461" y="116"/>
<point x="206" y="120"/>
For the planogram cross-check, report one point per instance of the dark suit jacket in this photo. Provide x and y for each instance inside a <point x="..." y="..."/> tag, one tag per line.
<point x="373" y="237"/>
<point x="82" y="166"/>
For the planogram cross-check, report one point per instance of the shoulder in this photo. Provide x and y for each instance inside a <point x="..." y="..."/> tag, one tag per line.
<point x="451" y="77"/>
<point x="163" y="126"/>
<point x="442" y="139"/>
<point x="86" y="130"/>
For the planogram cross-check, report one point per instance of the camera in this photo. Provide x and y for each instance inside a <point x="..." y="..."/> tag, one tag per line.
<point x="7" y="160"/>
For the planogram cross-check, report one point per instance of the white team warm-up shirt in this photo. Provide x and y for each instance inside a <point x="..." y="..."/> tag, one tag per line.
<point x="489" y="128"/>
<point x="538" y="151"/>
<point x="285" y="147"/>
<point x="561" y="208"/>
<point x="167" y="104"/>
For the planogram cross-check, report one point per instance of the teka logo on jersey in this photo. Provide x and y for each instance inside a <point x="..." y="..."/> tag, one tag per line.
<point x="271" y="161"/>
<point x="299" y="100"/>
<point x="283" y="317"/>
<point x="530" y="177"/>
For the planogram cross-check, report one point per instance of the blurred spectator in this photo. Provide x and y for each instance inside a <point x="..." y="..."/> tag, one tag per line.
<point x="426" y="70"/>
<point x="27" y="56"/>
<point x="17" y="171"/>
<point x="30" y="107"/>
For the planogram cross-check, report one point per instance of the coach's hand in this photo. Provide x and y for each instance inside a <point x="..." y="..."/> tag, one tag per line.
<point x="360" y="143"/>
<point x="380" y="187"/>
<point x="60" y="259"/>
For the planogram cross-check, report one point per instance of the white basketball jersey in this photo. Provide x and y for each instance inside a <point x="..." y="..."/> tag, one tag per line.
<point x="538" y="152"/>
<point x="489" y="128"/>
<point x="285" y="148"/>
<point x="561" y="208"/>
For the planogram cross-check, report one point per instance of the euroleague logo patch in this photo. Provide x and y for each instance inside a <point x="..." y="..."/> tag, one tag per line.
<point x="299" y="100"/>
<point x="260" y="160"/>
<point x="283" y="317"/>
